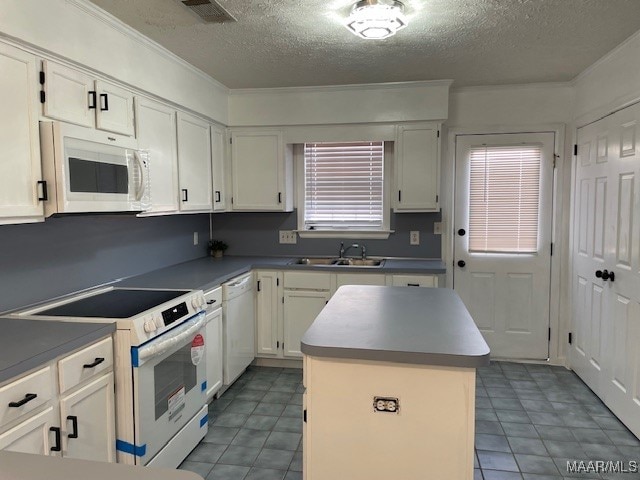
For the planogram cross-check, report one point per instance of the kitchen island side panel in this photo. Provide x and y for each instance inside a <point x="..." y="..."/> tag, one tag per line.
<point x="431" y="436"/>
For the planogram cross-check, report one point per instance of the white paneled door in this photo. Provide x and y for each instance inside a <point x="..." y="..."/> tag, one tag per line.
<point x="502" y="246"/>
<point x="605" y="349"/>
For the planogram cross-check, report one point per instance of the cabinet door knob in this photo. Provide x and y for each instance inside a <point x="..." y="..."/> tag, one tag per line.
<point x="598" y="273"/>
<point x="461" y="263"/>
<point x="462" y="232"/>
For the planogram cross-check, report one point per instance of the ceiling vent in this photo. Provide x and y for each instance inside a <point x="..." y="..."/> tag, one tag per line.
<point x="209" y="11"/>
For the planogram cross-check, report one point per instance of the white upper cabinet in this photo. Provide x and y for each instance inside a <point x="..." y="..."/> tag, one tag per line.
<point x="114" y="112"/>
<point x="218" y="147"/>
<point x="194" y="163"/>
<point x="261" y="171"/>
<point x="78" y="98"/>
<point x="20" y="170"/>
<point x="156" y="132"/>
<point x="417" y="160"/>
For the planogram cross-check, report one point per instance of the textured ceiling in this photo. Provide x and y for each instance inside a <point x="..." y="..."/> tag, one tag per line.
<point x="279" y="43"/>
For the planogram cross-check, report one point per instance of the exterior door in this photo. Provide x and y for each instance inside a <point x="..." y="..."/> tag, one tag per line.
<point x="503" y="213"/>
<point x="605" y="350"/>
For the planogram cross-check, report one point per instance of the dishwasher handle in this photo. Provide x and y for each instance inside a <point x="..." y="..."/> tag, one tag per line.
<point x="240" y="283"/>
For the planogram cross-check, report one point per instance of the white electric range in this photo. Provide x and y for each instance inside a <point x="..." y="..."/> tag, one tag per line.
<point x="161" y="411"/>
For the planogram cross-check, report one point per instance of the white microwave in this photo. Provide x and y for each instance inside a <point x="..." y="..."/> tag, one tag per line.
<point x="89" y="171"/>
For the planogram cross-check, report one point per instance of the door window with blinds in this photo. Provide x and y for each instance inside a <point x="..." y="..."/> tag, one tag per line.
<point x="504" y="198"/>
<point x="344" y="186"/>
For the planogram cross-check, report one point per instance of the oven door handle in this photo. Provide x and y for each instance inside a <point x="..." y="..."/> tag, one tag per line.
<point x="168" y="340"/>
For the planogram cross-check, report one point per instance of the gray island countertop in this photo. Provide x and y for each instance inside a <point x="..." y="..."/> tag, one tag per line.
<point x="426" y="326"/>
<point x="27" y="344"/>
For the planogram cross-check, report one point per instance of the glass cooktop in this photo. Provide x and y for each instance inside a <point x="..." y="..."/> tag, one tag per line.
<point x="114" y="304"/>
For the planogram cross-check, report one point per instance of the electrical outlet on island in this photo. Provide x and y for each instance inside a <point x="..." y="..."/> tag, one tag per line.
<point x="414" y="237"/>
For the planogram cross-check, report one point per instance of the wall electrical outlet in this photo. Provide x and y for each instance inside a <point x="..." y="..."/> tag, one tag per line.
<point x="414" y="237"/>
<point x="437" y="228"/>
<point x="288" y="236"/>
<point x="195" y="238"/>
<point x="386" y="404"/>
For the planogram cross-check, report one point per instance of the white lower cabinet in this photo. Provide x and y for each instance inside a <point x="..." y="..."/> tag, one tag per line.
<point x="78" y="423"/>
<point x="32" y="435"/>
<point x="88" y="422"/>
<point x="287" y="303"/>
<point x="360" y="279"/>
<point x="428" y="281"/>
<point x="301" y="307"/>
<point x="268" y="313"/>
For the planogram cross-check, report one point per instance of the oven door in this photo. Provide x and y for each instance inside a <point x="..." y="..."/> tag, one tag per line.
<point x="169" y="385"/>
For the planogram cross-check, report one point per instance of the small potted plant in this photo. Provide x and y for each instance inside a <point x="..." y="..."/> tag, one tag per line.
<point x="217" y="248"/>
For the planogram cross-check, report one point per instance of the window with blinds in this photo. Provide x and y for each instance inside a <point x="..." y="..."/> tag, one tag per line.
<point x="343" y="186"/>
<point x="504" y="198"/>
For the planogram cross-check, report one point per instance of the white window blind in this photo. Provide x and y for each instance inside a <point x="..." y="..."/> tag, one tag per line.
<point x="343" y="185"/>
<point x="504" y="199"/>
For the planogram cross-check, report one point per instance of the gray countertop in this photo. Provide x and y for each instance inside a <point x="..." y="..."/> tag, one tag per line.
<point x="428" y="326"/>
<point x="27" y="344"/>
<point x="24" y="466"/>
<point x="208" y="272"/>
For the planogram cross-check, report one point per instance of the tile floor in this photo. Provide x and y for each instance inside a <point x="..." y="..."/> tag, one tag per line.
<point x="530" y="419"/>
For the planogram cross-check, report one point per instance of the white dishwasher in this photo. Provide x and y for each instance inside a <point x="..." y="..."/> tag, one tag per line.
<point x="238" y="322"/>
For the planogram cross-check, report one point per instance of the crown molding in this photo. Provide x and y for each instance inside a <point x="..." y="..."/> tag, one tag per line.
<point x="121" y="27"/>
<point x="513" y="86"/>
<point x="341" y="88"/>
<point x="605" y="58"/>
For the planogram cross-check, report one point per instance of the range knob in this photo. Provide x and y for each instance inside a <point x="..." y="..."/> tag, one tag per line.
<point x="195" y="302"/>
<point x="150" y="325"/>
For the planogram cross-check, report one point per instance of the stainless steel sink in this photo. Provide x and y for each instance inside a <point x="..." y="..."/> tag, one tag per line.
<point x="338" y="262"/>
<point x="314" y="261"/>
<point x="358" y="262"/>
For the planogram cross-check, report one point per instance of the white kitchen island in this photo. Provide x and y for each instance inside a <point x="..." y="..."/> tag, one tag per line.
<point x="411" y="352"/>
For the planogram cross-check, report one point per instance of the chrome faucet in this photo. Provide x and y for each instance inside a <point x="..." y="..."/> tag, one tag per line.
<point x="353" y="245"/>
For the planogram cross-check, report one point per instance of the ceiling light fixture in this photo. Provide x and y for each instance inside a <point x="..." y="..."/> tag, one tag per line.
<point x="376" y="19"/>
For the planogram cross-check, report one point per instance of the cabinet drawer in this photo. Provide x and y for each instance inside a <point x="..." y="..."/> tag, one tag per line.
<point x="213" y="298"/>
<point x="415" y="281"/>
<point x="308" y="281"/>
<point x="21" y="393"/>
<point x="85" y="364"/>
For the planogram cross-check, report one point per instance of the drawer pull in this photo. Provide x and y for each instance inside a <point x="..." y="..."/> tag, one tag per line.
<point x="74" y="426"/>
<point x="211" y="302"/>
<point x="413" y="284"/>
<point x="58" y="446"/>
<point x="97" y="362"/>
<point x="27" y="398"/>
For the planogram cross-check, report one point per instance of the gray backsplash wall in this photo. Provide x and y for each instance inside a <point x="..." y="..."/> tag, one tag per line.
<point x="64" y="254"/>
<point x="257" y="234"/>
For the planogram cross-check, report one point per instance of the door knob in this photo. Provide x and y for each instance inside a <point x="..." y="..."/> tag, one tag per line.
<point x="461" y="263"/>
<point x="608" y="275"/>
<point x="462" y="232"/>
<point x="598" y="273"/>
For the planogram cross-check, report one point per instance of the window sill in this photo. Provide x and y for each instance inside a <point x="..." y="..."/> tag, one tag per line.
<point x="350" y="234"/>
